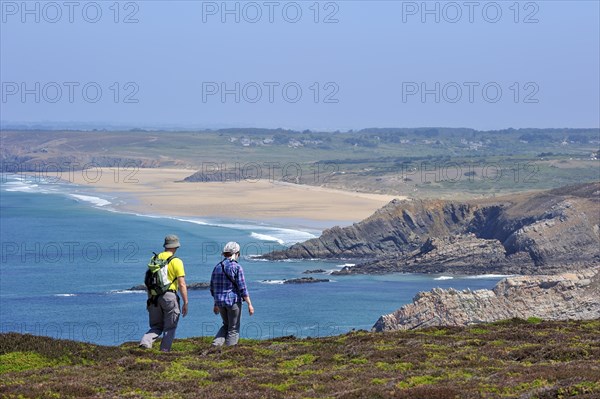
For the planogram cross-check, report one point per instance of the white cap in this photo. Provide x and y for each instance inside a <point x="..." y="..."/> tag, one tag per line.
<point x="231" y="247"/>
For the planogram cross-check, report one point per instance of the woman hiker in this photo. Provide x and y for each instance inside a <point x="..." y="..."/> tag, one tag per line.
<point x="228" y="288"/>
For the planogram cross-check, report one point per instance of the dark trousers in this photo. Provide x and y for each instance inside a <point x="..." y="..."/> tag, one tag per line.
<point x="229" y="333"/>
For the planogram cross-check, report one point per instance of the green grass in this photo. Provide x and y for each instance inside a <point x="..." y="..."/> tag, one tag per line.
<point x="508" y="359"/>
<point x="417" y="381"/>
<point x="297" y="362"/>
<point x="398" y="366"/>
<point x="534" y="320"/>
<point x="20" y="361"/>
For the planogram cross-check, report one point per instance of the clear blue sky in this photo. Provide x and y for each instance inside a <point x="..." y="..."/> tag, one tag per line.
<point x="370" y="63"/>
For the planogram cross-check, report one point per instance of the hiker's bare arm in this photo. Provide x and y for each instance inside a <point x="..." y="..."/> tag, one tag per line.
<point x="250" y="307"/>
<point x="184" y="296"/>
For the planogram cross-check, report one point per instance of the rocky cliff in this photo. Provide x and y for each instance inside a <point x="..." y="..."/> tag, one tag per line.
<point x="565" y="296"/>
<point x="531" y="233"/>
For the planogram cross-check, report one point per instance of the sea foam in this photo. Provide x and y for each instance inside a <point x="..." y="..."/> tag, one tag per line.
<point x="282" y="236"/>
<point x="482" y="276"/>
<point x="96" y="201"/>
<point x="272" y="281"/>
<point x="265" y="237"/>
<point x="127" y="292"/>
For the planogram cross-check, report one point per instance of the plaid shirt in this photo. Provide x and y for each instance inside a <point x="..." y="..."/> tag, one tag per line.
<point x="222" y="290"/>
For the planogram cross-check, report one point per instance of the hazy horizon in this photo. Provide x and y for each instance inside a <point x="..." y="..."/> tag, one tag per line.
<point x="88" y="126"/>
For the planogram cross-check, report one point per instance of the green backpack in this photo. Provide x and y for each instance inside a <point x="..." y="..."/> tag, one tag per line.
<point x="157" y="276"/>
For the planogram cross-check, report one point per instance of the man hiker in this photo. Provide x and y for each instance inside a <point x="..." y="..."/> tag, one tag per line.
<point x="228" y="288"/>
<point x="164" y="307"/>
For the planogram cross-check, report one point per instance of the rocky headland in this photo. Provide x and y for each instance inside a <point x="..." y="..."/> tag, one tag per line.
<point x="530" y="233"/>
<point x="566" y="296"/>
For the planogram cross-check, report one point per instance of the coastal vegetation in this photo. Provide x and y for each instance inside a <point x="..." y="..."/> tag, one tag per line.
<point x="508" y="359"/>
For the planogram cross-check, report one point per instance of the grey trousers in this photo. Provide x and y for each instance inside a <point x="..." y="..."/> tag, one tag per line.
<point x="229" y="333"/>
<point x="163" y="320"/>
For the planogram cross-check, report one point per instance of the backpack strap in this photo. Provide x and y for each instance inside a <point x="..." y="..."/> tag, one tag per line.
<point x="168" y="261"/>
<point x="229" y="278"/>
<point x="170" y="258"/>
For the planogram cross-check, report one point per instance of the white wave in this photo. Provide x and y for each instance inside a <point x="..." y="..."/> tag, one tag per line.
<point x="127" y="292"/>
<point x="490" y="276"/>
<point x="272" y="281"/>
<point x="290" y="237"/>
<point x="20" y="186"/>
<point x="347" y="265"/>
<point x="287" y="236"/>
<point x="65" y="295"/>
<point x="280" y="235"/>
<point x="31" y="184"/>
<point x="42" y="185"/>
<point x="264" y="232"/>
<point x="443" y="278"/>
<point x="94" y="200"/>
<point x="255" y="258"/>
<point x="195" y="221"/>
<point x="265" y="237"/>
<point x="283" y="236"/>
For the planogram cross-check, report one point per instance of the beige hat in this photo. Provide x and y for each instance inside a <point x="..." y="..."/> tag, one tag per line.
<point x="231" y="247"/>
<point x="171" y="241"/>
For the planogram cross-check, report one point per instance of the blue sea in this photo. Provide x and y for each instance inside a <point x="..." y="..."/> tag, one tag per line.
<point x="68" y="256"/>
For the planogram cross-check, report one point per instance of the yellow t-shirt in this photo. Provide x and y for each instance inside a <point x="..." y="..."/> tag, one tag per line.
<point x="175" y="269"/>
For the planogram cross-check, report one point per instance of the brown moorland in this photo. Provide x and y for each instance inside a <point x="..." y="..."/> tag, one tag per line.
<point x="509" y="359"/>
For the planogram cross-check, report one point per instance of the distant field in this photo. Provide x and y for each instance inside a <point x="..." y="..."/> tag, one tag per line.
<point x="428" y="162"/>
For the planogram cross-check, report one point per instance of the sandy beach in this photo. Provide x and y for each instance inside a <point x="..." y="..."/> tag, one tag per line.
<point x="160" y="191"/>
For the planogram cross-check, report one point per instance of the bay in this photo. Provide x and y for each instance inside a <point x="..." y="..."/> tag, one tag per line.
<point x="68" y="257"/>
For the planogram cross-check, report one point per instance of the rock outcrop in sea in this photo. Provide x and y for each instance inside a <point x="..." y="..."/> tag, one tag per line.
<point x="315" y="271"/>
<point x="189" y="286"/>
<point x="301" y="280"/>
<point x="530" y="233"/>
<point x="306" y="280"/>
<point x="567" y="296"/>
